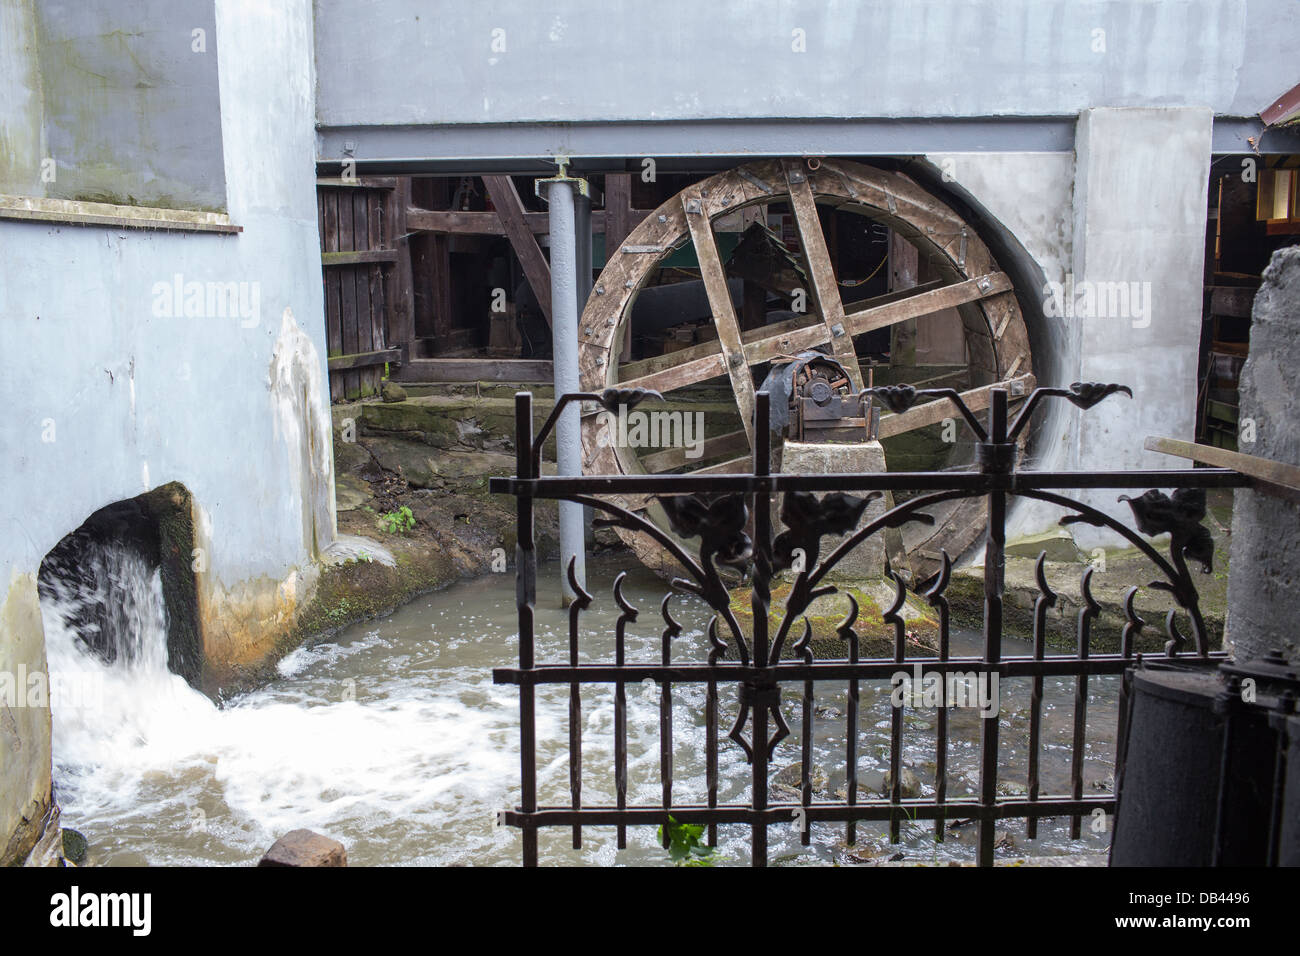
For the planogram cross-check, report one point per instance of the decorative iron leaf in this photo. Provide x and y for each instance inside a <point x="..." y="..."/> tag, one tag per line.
<point x="1088" y="394"/>
<point x="1180" y="517"/>
<point x="896" y="398"/>
<point x="719" y="523"/>
<point x="809" y="520"/>
<point x="614" y="398"/>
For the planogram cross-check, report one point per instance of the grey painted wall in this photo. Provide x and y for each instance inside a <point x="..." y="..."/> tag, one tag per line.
<point x="106" y="395"/>
<point x="1140" y="212"/>
<point x="126" y="106"/>
<point x="134" y="393"/>
<point x="421" y="62"/>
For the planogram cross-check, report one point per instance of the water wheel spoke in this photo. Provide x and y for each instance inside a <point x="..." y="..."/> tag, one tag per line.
<point x="867" y="317"/>
<point x="736" y="466"/>
<point x="671" y="458"/>
<point x="691" y="370"/>
<point x="733" y="466"/>
<point x="724" y="312"/>
<point x="931" y="413"/>
<point x="817" y="258"/>
<point x="696" y="363"/>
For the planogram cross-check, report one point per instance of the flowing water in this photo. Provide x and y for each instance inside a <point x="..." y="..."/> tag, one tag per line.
<point x="393" y="739"/>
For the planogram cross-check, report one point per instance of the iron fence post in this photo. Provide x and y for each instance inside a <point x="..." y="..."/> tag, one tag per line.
<point x="996" y="458"/>
<point x="526" y="598"/>
<point x="761" y="601"/>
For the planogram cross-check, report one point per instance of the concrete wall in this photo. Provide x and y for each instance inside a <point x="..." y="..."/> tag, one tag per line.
<point x="521" y="61"/>
<point x="125" y="115"/>
<point x="1127" y="209"/>
<point x="1140" y="215"/>
<point x="105" y="395"/>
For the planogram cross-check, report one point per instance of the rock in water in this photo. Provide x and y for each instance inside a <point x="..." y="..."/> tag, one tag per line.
<point x="911" y="785"/>
<point x="785" y="784"/>
<point x="74" y="845"/>
<point x="305" y="848"/>
<point x="392" y="392"/>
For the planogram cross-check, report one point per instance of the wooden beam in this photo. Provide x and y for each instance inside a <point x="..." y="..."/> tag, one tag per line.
<point x="690" y="372"/>
<point x="401" y="316"/>
<point x="477" y="370"/>
<point x="931" y="413"/>
<point x="619" y="216"/>
<point x="513" y="218"/>
<point x="671" y="458"/>
<point x="366" y="359"/>
<point x="866" y="317"/>
<point x="736" y="466"/>
<point x="697" y="362"/>
<point x="817" y="258"/>
<point x="1274" y="477"/>
<point x="724" y="312"/>
<point x="480" y="223"/>
<point x="694" y="363"/>
<point x="360" y="182"/>
<point x="1232" y="301"/>
<point x="904" y="271"/>
<point x="358" y="257"/>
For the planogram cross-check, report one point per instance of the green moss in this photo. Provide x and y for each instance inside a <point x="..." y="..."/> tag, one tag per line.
<point x="826" y="614"/>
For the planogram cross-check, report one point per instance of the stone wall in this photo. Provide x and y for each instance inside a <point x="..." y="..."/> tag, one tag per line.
<point x="1263" y="596"/>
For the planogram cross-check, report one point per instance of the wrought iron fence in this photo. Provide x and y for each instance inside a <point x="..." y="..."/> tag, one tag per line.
<point x="732" y="517"/>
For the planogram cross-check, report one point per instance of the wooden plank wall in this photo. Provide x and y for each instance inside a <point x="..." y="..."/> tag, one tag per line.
<point x="363" y="295"/>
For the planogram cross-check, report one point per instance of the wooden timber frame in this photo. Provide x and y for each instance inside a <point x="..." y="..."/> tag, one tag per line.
<point x="366" y="275"/>
<point x="996" y="337"/>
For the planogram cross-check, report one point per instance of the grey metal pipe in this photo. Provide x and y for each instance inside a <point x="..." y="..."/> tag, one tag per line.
<point x="564" y="319"/>
<point x="582" y="230"/>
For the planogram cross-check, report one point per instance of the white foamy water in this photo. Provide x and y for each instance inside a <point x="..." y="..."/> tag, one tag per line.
<point x="394" y="740"/>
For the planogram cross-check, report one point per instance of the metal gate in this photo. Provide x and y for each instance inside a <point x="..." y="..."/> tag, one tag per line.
<point x="732" y="517"/>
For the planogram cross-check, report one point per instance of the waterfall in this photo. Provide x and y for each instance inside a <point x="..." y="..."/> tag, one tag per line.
<point x="117" y="710"/>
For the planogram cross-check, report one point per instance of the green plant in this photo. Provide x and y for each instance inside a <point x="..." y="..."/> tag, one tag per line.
<point x="684" y="845"/>
<point x="399" y="521"/>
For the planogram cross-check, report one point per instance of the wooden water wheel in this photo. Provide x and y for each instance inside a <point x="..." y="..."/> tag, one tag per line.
<point x="969" y="281"/>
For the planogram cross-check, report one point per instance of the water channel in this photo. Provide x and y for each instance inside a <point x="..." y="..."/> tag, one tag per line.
<point x="392" y="738"/>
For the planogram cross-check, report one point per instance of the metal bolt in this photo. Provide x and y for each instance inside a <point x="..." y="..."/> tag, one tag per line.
<point x="600" y="290"/>
<point x="693" y="206"/>
<point x="663" y="218"/>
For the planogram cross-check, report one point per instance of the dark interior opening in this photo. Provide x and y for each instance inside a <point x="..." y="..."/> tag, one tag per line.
<point x="158" y="528"/>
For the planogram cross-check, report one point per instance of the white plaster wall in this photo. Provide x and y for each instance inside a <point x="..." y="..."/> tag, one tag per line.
<point x="1140" y="216"/>
<point x="434" y="61"/>
<point x="104" y="399"/>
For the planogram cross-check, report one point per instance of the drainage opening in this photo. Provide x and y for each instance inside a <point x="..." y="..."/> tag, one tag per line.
<point x="125" y="573"/>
